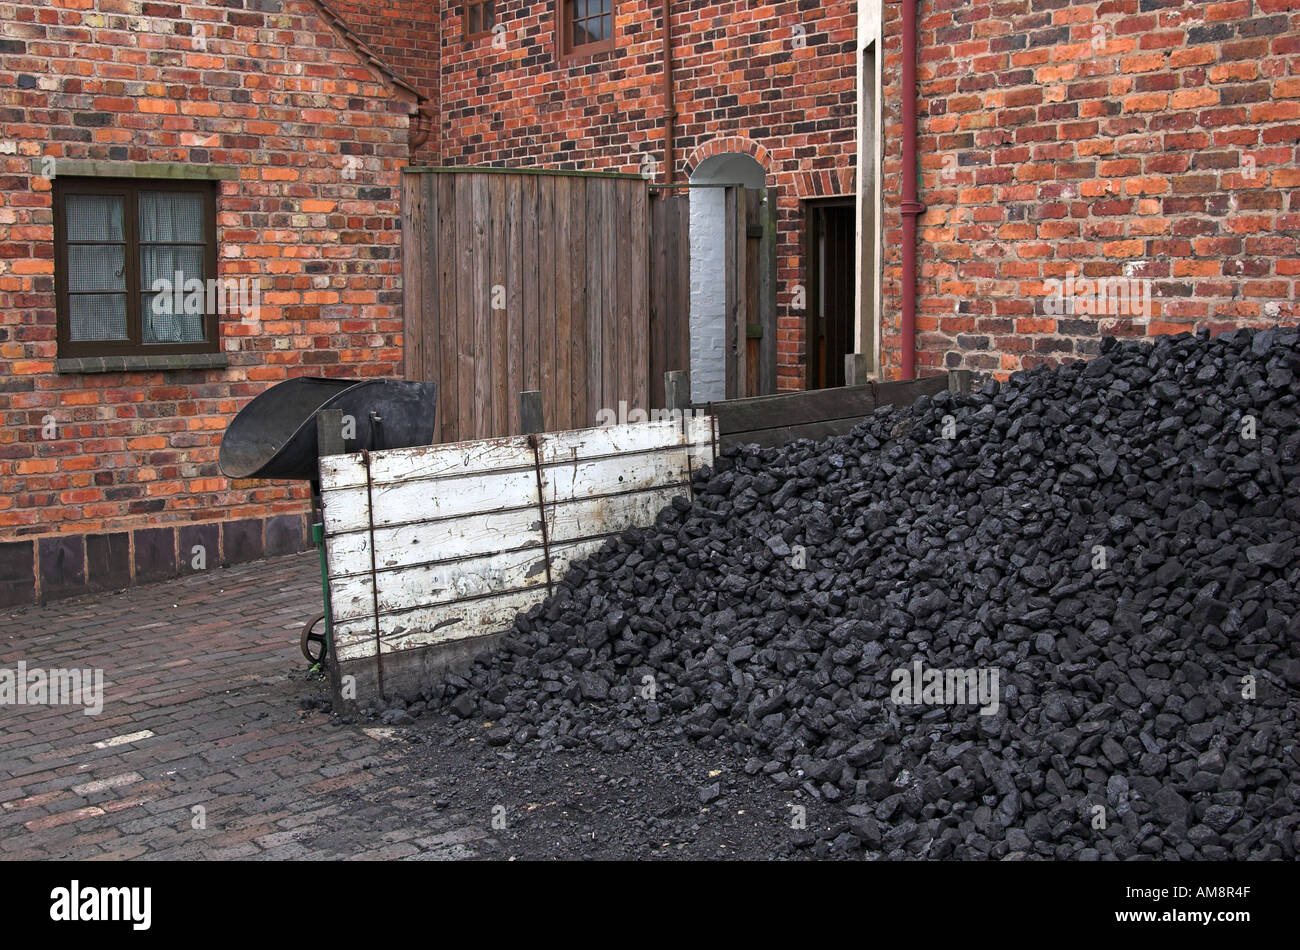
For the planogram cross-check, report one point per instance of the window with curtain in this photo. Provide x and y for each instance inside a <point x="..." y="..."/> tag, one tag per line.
<point x="134" y="259"/>
<point x="585" y="26"/>
<point x="480" y="17"/>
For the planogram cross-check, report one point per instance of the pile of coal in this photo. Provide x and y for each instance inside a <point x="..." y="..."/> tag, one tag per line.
<point x="1054" y="618"/>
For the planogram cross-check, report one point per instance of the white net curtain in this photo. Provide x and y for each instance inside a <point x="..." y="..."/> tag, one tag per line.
<point x="171" y="249"/>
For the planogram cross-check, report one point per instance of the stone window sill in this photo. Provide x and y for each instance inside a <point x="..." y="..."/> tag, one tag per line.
<point x="126" y="364"/>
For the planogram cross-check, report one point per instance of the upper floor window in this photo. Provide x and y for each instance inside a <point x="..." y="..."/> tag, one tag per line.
<point x="480" y="17"/>
<point x="133" y="259"/>
<point x="585" y="26"/>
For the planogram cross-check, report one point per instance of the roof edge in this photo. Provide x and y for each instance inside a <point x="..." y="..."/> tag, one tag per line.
<point x="368" y="56"/>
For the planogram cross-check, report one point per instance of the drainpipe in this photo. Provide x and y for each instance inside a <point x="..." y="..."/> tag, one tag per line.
<point x="911" y="207"/>
<point x="421" y="126"/>
<point x="670" y="108"/>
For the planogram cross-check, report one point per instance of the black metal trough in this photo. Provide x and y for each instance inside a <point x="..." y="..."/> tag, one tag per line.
<point x="274" y="436"/>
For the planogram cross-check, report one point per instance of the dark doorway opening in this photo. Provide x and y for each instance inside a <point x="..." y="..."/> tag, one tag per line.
<point x="831" y="260"/>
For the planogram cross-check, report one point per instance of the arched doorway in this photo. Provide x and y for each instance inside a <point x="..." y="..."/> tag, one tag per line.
<point x="732" y="266"/>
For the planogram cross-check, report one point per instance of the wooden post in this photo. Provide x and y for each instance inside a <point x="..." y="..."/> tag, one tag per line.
<point x="677" y="389"/>
<point x="855" y="369"/>
<point x="959" y="381"/>
<point x="530" y="412"/>
<point x="329" y="432"/>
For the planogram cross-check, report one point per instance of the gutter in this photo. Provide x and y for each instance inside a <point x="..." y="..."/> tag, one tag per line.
<point x="670" y="108"/>
<point x="911" y="206"/>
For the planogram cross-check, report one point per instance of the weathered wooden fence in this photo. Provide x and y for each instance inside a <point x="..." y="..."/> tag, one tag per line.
<point x="441" y="546"/>
<point x="521" y="280"/>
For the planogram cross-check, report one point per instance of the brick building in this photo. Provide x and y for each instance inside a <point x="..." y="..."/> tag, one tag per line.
<point x="1149" y="141"/>
<point x="1082" y="167"/>
<point x="257" y="142"/>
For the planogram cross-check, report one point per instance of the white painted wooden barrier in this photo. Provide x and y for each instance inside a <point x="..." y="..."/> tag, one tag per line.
<point x="459" y="540"/>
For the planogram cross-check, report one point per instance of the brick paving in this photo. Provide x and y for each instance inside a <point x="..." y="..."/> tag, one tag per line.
<point x="202" y="686"/>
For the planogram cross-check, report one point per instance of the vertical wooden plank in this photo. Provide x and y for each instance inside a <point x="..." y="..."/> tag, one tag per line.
<point x="729" y="308"/>
<point x="610" y="390"/>
<point x="448" y="309"/>
<point x="578" y="308"/>
<point x="753" y="271"/>
<point x="855" y="369"/>
<point x="414" y="211"/>
<point x="531" y="416"/>
<point x="658" y="256"/>
<point x="498" y="369"/>
<point x="430" y="319"/>
<point x="531" y="366"/>
<point x="514" y="295"/>
<point x="595" y="299"/>
<point x="546" y="254"/>
<point x="767" y="372"/>
<point x="677" y="390"/>
<point x="623" y="330"/>
<point x="562" y="417"/>
<point x="740" y="247"/>
<point x="482" y="368"/>
<point x="466" y="295"/>
<point x="639" y="290"/>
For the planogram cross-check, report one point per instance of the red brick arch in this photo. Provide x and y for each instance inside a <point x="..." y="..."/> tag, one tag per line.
<point x="729" y="145"/>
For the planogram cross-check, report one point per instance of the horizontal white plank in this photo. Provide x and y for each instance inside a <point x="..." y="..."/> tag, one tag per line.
<point x="608" y="440"/>
<point x="415" y="501"/>
<point x="409" y="544"/>
<point x="442" y="623"/>
<point x="425" y="585"/>
<point x="427" y="461"/>
<point x="613" y="475"/>
<point x="591" y="517"/>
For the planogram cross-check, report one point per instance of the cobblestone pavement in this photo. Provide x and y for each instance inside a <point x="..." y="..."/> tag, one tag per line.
<point x="202" y="686"/>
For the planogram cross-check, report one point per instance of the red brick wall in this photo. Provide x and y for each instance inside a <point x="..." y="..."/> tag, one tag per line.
<point x="1158" y="139"/>
<point x="741" y="85"/>
<point x="404" y="34"/>
<point x="277" y="93"/>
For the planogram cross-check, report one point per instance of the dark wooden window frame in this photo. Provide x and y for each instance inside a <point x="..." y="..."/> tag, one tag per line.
<point x="484" y="7"/>
<point x="564" y="48"/>
<point x="129" y="189"/>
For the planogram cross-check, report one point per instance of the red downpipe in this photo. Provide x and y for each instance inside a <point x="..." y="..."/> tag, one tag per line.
<point x="670" y="108"/>
<point x="911" y="207"/>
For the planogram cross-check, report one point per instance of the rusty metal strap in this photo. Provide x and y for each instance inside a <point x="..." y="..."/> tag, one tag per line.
<point x="374" y="572"/>
<point x="535" y="444"/>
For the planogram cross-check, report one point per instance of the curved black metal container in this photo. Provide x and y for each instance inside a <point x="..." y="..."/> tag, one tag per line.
<point x="274" y="436"/>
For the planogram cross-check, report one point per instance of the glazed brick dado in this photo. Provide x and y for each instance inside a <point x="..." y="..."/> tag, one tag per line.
<point x="111" y="472"/>
<point x="775" y="81"/>
<point x="1156" y="141"/>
